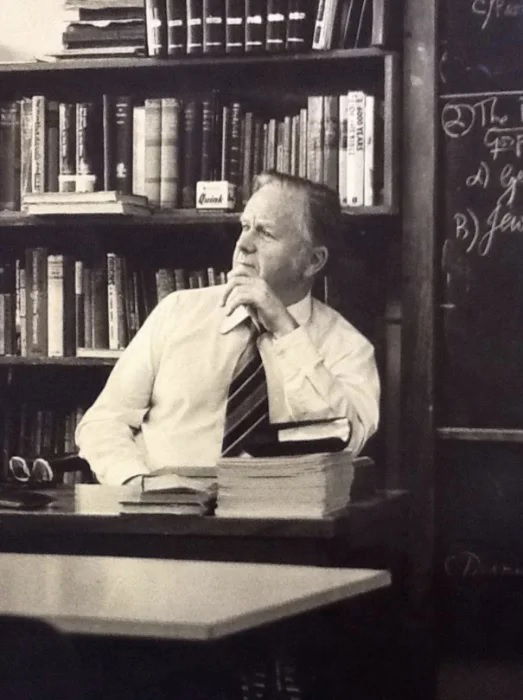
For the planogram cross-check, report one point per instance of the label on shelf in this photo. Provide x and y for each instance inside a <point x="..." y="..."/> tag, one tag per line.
<point x="215" y="194"/>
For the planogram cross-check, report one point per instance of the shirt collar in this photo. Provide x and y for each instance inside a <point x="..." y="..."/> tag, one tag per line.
<point x="300" y="311"/>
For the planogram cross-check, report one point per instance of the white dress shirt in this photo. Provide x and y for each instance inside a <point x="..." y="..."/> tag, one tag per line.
<point x="164" y="402"/>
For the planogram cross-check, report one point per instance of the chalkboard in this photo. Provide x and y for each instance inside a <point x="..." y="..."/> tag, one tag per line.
<point x="482" y="259"/>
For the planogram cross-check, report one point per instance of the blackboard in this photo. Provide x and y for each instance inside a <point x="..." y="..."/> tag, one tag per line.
<point x="481" y="171"/>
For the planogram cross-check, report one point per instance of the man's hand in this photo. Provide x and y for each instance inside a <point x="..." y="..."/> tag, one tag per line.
<point x="255" y="293"/>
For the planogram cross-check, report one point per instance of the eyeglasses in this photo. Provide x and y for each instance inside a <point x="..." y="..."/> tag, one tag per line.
<point x="36" y="472"/>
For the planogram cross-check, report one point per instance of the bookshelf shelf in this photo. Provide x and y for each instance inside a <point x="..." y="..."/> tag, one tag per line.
<point x="187" y="63"/>
<point x="16" y="361"/>
<point x="481" y="434"/>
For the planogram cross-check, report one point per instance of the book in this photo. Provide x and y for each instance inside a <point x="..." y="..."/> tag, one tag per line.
<point x="325" y="23"/>
<point x="98" y="197"/>
<point x="342" y="150"/>
<point x="299" y="25"/>
<point x="155" y="26"/>
<point x="61" y="305"/>
<point x="213" y="26"/>
<point x="87" y="143"/>
<point x="169" y="152"/>
<point x="183" y="480"/>
<point x="208" y="160"/>
<point x="138" y="186"/>
<point x="103" y="353"/>
<point x="38" y="144"/>
<point x="368" y="159"/>
<point x="176" y="16"/>
<point x="276" y="25"/>
<point x="234" y="151"/>
<point x="67" y="147"/>
<point x="153" y="143"/>
<point x="26" y="145"/>
<point x="123" y="144"/>
<point x="10" y="155"/>
<point x="194" y="27"/>
<point x="355" y="147"/>
<point x="303" y="486"/>
<point x="36" y="301"/>
<point x="255" y="25"/>
<point x="116" y="302"/>
<point x="75" y="208"/>
<point x="132" y="49"/>
<point x="192" y="125"/>
<point x="121" y="33"/>
<point x="315" y="137"/>
<point x="234" y="26"/>
<point x="51" y="146"/>
<point x="331" y="124"/>
<point x="79" y="301"/>
<point x="99" y="304"/>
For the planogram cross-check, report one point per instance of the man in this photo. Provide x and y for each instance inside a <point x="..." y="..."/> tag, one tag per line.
<point x="165" y="402"/>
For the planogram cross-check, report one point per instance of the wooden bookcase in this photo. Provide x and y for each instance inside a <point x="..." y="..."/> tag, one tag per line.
<point x="189" y="237"/>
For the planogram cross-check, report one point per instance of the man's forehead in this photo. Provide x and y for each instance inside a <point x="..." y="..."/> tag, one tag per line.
<point x="273" y="201"/>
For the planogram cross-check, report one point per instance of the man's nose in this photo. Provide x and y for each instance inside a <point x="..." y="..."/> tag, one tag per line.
<point x="246" y="240"/>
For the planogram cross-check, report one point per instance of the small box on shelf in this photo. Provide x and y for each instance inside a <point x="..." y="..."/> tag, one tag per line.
<point x="216" y="194"/>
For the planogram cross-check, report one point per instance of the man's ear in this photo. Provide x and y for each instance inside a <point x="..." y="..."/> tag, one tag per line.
<point x="318" y="259"/>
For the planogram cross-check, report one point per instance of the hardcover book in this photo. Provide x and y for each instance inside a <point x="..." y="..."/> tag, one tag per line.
<point x="9" y="155"/>
<point x="330" y="141"/>
<point x="299" y="25"/>
<point x="169" y="152"/>
<point x="315" y="135"/>
<point x="255" y="25"/>
<point x="61" y="305"/>
<point x="153" y="143"/>
<point x="355" y="147"/>
<point x="234" y="26"/>
<point x="194" y="27"/>
<point x="176" y="15"/>
<point x="51" y="146"/>
<point x="192" y="125"/>
<point x="276" y="27"/>
<point x="38" y="144"/>
<point x="155" y="25"/>
<point x="123" y="144"/>
<point x="213" y="26"/>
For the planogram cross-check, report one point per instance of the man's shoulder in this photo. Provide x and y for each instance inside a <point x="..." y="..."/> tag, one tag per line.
<point x="327" y="320"/>
<point x="195" y="298"/>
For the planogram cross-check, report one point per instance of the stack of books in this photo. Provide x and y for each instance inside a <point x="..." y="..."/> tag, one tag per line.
<point x="101" y="202"/>
<point x="302" y="486"/>
<point x="174" y="491"/>
<point x="103" y="28"/>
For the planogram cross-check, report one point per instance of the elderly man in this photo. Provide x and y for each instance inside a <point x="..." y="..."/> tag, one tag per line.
<point x="177" y="395"/>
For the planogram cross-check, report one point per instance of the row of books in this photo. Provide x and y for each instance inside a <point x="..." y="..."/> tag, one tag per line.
<point x="52" y="305"/>
<point x="161" y="148"/>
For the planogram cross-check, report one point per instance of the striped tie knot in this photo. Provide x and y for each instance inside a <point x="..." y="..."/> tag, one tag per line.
<point x="247" y="402"/>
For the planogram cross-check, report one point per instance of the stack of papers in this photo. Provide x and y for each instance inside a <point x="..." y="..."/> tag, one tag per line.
<point x="174" y="490"/>
<point x="303" y="486"/>
<point x="101" y="202"/>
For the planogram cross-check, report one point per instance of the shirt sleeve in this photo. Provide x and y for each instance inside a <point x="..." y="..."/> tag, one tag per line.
<point x="107" y="433"/>
<point x="337" y="378"/>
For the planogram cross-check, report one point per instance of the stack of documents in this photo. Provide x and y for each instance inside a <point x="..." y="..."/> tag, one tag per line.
<point x="174" y="491"/>
<point x="303" y="486"/>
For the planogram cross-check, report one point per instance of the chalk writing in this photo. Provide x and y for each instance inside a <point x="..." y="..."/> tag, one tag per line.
<point x="491" y="10"/>
<point x="468" y="564"/>
<point x="480" y="178"/>
<point x="457" y="119"/>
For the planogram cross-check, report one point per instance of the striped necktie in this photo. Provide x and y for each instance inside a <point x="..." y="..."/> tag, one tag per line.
<point x="247" y="402"/>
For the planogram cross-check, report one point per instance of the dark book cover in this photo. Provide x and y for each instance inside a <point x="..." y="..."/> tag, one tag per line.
<point x="276" y="31"/>
<point x="66" y="146"/>
<point x="234" y="26"/>
<point x="255" y="21"/>
<point x="364" y="31"/>
<point x="194" y="27"/>
<point x="247" y="156"/>
<point x="51" y="146"/>
<point x="225" y="125"/>
<point x="208" y="137"/>
<point x="9" y="155"/>
<point x="123" y="143"/>
<point x="99" y="312"/>
<point x="176" y="15"/>
<point x="192" y="129"/>
<point x="107" y="14"/>
<point x="155" y="27"/>
<point x="88" y="145"/>
<point x="234" y="152"/>
<point x="300" y="22"/>
<point x="108" y="126"/>
<point x="349" y="23"/>
<point x="125" y="32"/>
<point x="26" y="145"/>
<point x="36" y="301"/>
<point x="213" y="26"/>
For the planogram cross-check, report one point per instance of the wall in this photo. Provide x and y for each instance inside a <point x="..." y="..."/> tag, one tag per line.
<point x="30" y="28"/>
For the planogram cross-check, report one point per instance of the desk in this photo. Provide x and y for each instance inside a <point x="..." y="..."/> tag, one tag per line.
<point x="167" y="599"/>
<point x="375" y="525"/>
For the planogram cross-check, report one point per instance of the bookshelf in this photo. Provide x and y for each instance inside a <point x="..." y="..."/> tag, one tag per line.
<point x="185" y="237"/>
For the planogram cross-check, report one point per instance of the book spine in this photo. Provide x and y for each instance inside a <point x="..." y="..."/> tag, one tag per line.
<point x="355" y="147"/>
<point x="234" y="26"/>
<point x="179" y="278"/>
<point x="270" y="156"/>
<point x="37" y="301"/>
<point x="169" y="152"/>
<point x="234" y="157"/>
<point x="255" y="25"/>
<point x="99" y="304"/>
<point x="155" y="28"/>
<point x="55" y="305"/>
<point x="279" y="146"/>
<point x="194" y="27"/>
<point x="19" y="302"/>
<point x="153" y="141"/>
<point x="368" y="160"/>
<point x="26" y="140"/>
<point x="176" y="15"/>
<point x="225" y="142"/>
<point x="51" y="146"/>
<point x="66" y="147"/>
<point x="299" y="25"/>
<point x="88" y="308"/>
<point x="211" y="276"/>
<point x="213" y="26"/>
<point x="123" y="144"/>
<point x="112" y="302"/>
<point x="315" y="138"/>
<point x="331" y="126"/>
<point x="109" y="127"/>
<point x="139" y="150"/>
<point x="318" y="37"/>
<point x="342" y="151"/>
<point x="286" y="144"/>
<point x="9" y="155"/>
<point x="38" y="144"/>
<point x="303" y="156"/>
<point x="248" y="156"/>
<point x="295" y="145"/>
<point x="276" y="25"/>
<point x="191" y="152"/>
<point x="8" y="319"/>
<point x="164" y="282"/>
<point x="3" y="322"/>
<point x="86" y="145"/>
<point x="206" y="170"/>
<point x="257" y="155"/>
<point x="79" y="300"/>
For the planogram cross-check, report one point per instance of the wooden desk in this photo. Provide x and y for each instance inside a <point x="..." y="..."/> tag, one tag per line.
<point x="374" y="525"/>
<point x="187" y="600"/>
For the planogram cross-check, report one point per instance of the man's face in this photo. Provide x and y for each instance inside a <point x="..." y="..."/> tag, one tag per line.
<point x="274" y="242"/>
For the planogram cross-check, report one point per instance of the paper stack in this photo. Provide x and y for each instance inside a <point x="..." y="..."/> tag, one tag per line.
<point x="304" y="486"/>
<point x="174" y="491"/>
<point x="95" y="203"/>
